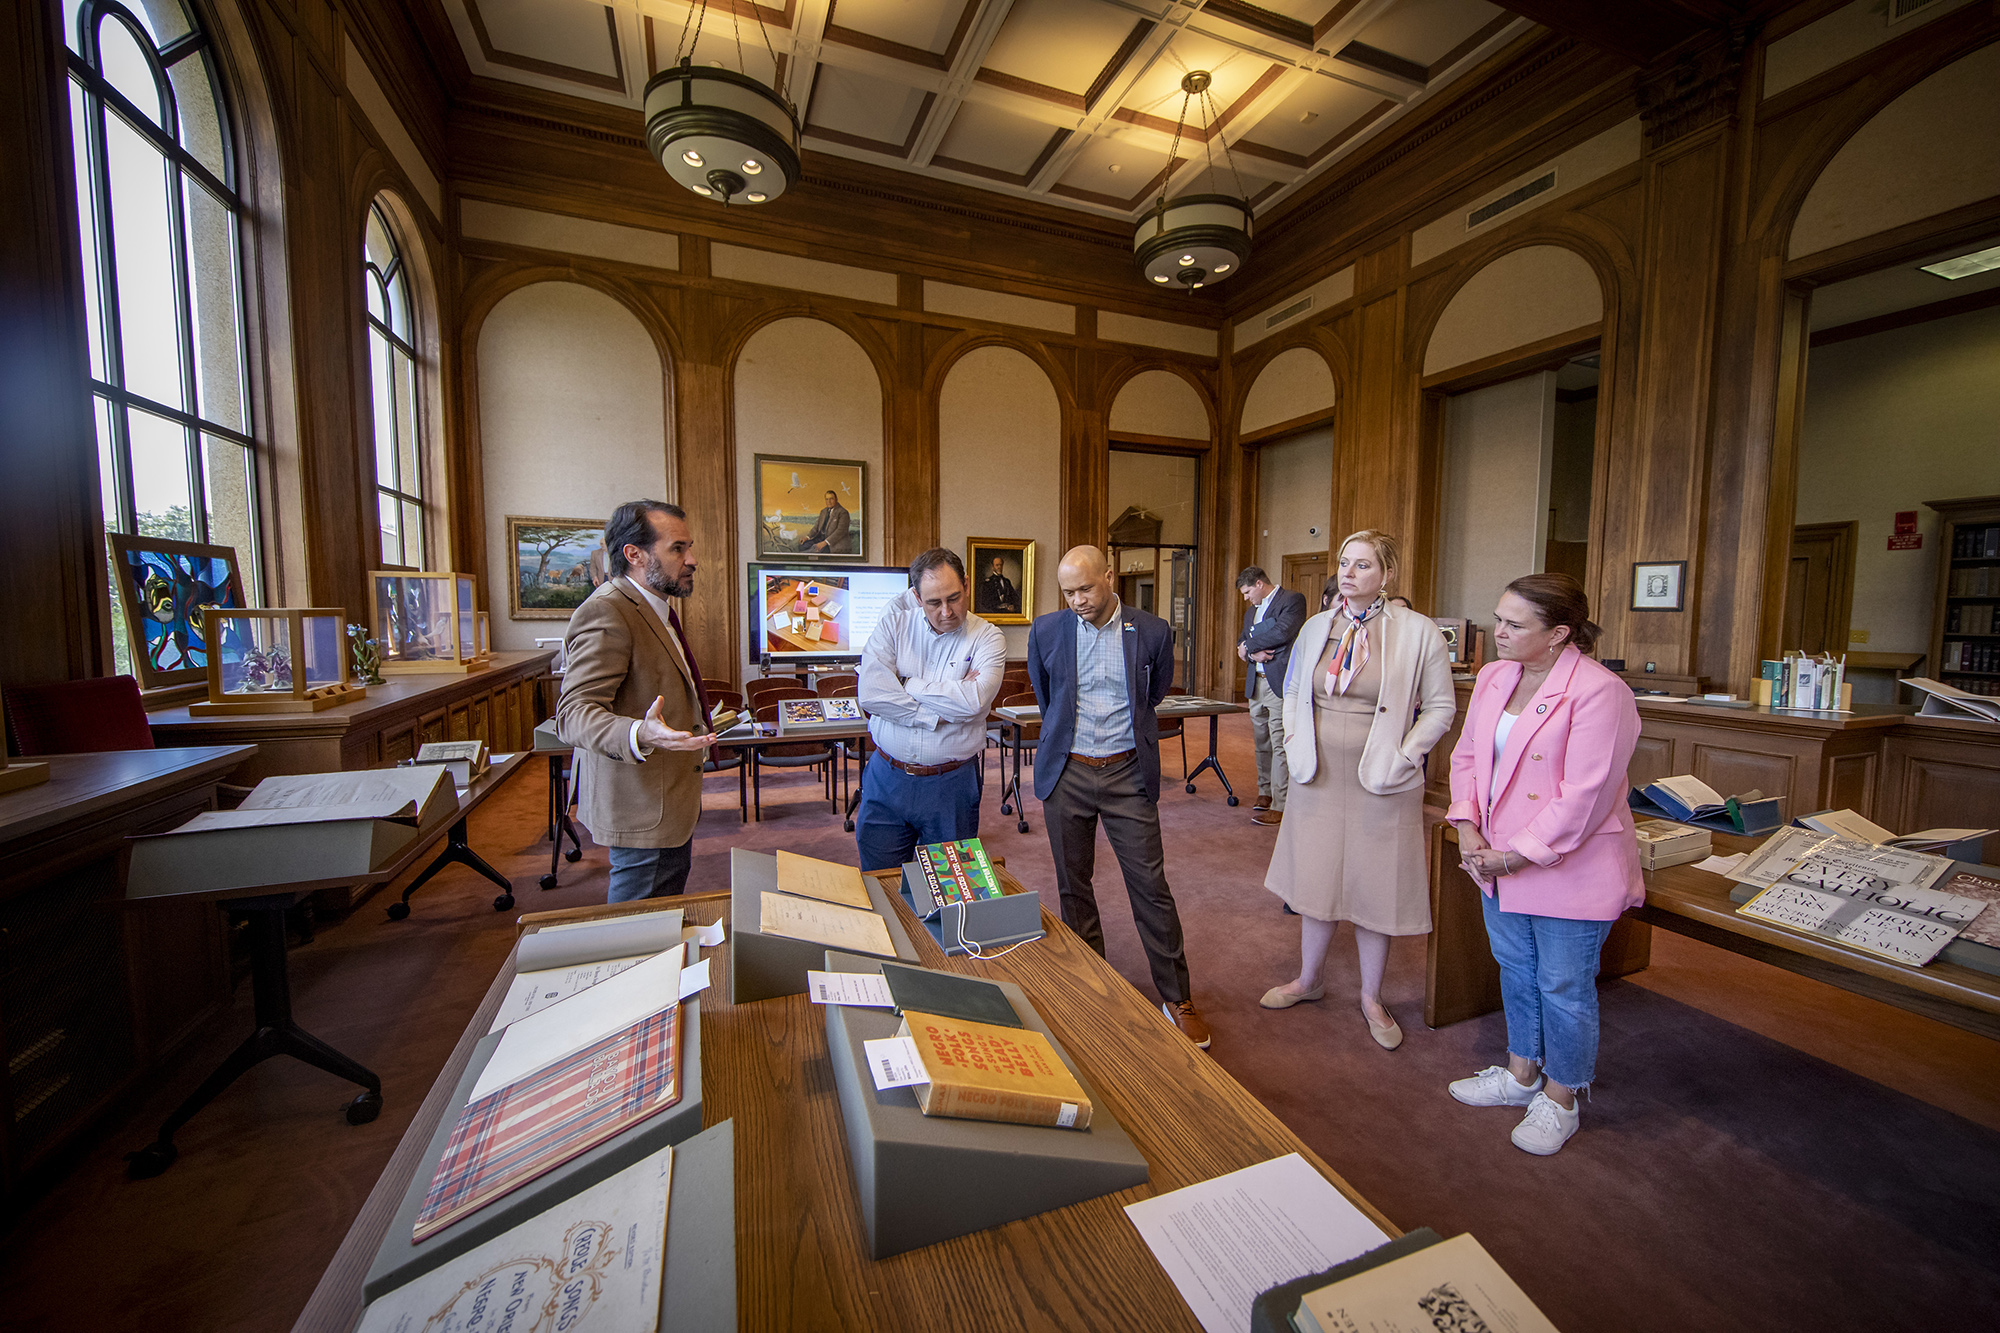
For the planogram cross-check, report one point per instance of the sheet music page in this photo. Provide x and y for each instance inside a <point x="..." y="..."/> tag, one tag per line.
<point x="828" y="881"/>
<point x="830" y="924"/>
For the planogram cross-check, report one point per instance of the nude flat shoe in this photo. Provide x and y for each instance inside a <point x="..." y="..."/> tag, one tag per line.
<point x="1279" y="998"/>
<point x="1389" y="1037"/>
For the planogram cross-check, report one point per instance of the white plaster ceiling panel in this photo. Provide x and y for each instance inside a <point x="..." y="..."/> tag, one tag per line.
<point x="1318" y="110"/>
<point x="1234" y="72"/>
<point x="1063" y="44"/>
<point x="722" y="44"/>
<point x="927" y="25"/>
<point x="1305" y="11"/>
<point x="1137" y="162"/>
<point x="1426" y="30"/>
<point x="862" y="106"/>
<point x="575" y="35"/>
<point x="987" y="136"/>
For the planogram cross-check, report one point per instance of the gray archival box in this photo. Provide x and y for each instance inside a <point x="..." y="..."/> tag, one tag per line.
<point x="763" y="966"/>
<point x="398" y="1261"/>
<point x="923" y="1179"/>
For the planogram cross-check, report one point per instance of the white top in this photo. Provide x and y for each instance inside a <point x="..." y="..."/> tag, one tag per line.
<point x="1256" y="667"/>
<point x="1501" y="730"/>
<point x="927" y="694"/>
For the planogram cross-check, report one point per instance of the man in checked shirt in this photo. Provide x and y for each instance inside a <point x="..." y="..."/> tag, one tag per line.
<point x="929" y="673"/>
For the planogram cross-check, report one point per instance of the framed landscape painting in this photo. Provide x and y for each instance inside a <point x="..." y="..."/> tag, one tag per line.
<point x="163" y="586"/>
<point x="811" y="508"/>
<point x="557" y="563"/>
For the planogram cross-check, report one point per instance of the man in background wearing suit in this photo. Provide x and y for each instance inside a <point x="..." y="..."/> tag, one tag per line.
<point x="633" y="705"/>
<point x="1099" y="669"/>
<point x="1270" y="622"/>
<point x="832" y="533"/>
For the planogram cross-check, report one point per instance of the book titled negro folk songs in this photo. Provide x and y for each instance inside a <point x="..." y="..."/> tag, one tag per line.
<point x="979" y="1071"/>
<point x="536" y="1123"/>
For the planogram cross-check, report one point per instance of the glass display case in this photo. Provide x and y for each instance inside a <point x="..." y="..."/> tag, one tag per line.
<point x="425" y="622"/>
<point x="280" y="660"/>
<point x="485" y="635"/>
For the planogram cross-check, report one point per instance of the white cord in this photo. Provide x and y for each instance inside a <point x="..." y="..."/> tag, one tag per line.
<point x="971" y="947"/>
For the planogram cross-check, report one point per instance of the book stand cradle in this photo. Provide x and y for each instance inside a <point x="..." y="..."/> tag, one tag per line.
<point x="276" y="1033"/>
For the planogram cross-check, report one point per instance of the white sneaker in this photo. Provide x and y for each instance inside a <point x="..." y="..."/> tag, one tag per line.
<point x="1494" y="1086"/>
<point x="1546" y="1127"/>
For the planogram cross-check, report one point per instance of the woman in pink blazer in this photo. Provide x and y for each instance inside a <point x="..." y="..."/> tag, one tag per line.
<point x="1538" y="788"/>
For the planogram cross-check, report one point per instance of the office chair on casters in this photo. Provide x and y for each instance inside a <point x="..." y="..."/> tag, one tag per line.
<point x="78" y="717"/>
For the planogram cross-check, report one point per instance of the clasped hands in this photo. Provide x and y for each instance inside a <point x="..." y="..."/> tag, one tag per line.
<point x="655" y="734"/>
<point x="1481" y="860"/>
<point x="1248" y="656"/>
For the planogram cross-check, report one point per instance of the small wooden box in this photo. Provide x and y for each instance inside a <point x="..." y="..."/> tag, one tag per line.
<point x="280" y="660"/>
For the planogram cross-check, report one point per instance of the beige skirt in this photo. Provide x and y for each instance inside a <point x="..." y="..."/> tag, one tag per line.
<point x="1344" y="853"/>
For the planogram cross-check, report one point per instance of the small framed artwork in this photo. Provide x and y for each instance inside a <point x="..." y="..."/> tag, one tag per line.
<point x="1002" y="572"/>
<point x="1659" y="586"/>
<point x="557" y="563"/>
<point x="811" y="508"/>
<point x="163" y="587"/>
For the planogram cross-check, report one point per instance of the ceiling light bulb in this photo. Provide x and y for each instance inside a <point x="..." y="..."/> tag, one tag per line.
<point x="756" y="196"/>
<point x="702" y="190"/>
<point x="1197" y="285"/>
<point x="1159" y="277"/>
<point x="751" y="166"/>
<point x="1115" y="168"/>
<point x="692" y="158"/>
<point x="1186" y="260"/>
<point x="1222" y="268"/>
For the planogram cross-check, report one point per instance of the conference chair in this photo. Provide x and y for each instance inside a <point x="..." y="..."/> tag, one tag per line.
<point x="1176" y="727"/>
<point x="78" y="717"/>
<point x="758" y="693"/>
<point x="831" y="687"/>
<point x="819" y="755"/>
<point x="1030" y="734"/>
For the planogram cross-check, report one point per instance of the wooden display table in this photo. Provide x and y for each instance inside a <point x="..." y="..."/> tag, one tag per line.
<point x="90" y="997"/>
<point x="499" y="705"/>
<point x="800" y="1255"/>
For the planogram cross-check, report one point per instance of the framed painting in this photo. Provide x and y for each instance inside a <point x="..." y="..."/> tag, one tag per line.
<point x="557" y="563"/>
<point x="1002" y="572"/>
<point x="163" y="587"/>
<point x="811" y="508"/>
<point x="1657" y="586"/>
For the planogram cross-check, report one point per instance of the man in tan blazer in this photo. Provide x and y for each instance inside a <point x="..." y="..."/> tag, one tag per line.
<point x="633" y="705"/>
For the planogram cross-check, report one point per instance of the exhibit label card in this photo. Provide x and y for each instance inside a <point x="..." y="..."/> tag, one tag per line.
<point x="1226" y="1241"/>
<point x="894" y="1062"/>
<point x="591" y="1264"/>
<point x="870" y="989"/>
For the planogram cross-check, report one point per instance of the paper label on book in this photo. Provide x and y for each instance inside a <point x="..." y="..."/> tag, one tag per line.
<point x="1066" y="1116"/>
<point x="894" y="1063"/>
<point x="866" y="989"/>
<point x="594" y="1262"/>
<point x="706" y="937"/>
<point x="830" y="924"/>
<point x="694" y="979"/>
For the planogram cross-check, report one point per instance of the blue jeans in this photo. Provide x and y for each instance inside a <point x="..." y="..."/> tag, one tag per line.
<point x="1548" y="985"/>
<point x="898" y="811"/>
<point x="649" y="872"/>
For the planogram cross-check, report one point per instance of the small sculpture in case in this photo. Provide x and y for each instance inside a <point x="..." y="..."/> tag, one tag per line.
<point x="426" y="622"/>
<point x="281" y="660"/>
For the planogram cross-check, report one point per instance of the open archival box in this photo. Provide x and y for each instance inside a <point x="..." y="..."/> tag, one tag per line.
<point x="295" y="829"/>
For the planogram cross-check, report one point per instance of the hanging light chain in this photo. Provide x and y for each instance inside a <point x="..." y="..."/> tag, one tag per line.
<point x="1228" y="157"/>
<point x="684" y="49"/>
<point x="765" y="32"/>
<point x="1173" y="154"/>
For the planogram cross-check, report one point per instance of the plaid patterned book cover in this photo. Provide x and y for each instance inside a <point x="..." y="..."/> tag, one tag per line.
<point x="536" y="1123"/>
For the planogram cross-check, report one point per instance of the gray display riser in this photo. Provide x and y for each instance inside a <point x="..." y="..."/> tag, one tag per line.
<point x="761" y="966"/>
<point x="922" y="1179"/>
<point x="398" y="1260"/>
<point x="990" y="923"/>
<point x="698" y="1290"/>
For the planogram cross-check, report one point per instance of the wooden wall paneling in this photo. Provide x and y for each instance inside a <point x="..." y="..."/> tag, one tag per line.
<point x="705" y="470"/>
<point x="1086" y="453"/>
<point x="54" y="621"/>
<point x="458" y="721"/>
<point x="1731" y="767"/>
<point x="1941" y="774"/>
<point x="909" y="446"/>
<point x="1652" y="759"/>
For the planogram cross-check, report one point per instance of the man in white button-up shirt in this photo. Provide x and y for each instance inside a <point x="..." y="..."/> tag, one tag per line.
<point x="929" y="675"/>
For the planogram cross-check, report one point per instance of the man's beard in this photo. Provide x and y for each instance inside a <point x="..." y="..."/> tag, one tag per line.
<point x="656" y="580"/>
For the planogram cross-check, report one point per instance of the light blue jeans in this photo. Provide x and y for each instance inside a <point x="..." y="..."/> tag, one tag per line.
<point x="1548" y="985"/>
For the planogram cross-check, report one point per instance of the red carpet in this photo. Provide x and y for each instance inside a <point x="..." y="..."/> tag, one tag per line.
<point x="1762" y="1152"/>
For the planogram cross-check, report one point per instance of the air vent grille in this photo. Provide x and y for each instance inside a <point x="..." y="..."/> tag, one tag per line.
<point x="1541" y="184"/>
<point x="1902" y="9"/>
<point x="1292" y="311"/>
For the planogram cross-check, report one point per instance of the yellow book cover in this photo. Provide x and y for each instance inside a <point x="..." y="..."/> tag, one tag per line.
<point x="982" y="1072"/>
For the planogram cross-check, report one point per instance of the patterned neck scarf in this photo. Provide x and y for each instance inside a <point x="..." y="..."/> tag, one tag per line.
<point x="1352" y="654"/>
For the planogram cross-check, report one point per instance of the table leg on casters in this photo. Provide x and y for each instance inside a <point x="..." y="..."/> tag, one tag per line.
<point x="1211" y="762"/>
<point x="457" y="851"/>
<point x="1020" y="805"/>
<point x="276" y="1034"/>
<point x="559" y="821"/>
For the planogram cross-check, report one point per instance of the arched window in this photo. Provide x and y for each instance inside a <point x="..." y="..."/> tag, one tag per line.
<point x="392" y="360"/>
<point x="158" y="212"/>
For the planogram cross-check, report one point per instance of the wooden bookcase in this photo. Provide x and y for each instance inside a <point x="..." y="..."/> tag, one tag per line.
<point x="1965" y="625"/>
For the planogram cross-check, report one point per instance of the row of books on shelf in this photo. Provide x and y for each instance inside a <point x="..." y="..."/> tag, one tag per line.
<point x="1804" y="681"/>
<point x="1974" y="543"/>
<point x="1989" y="688"/>
<point x="1962" y="656"/>
<point x="1969" y="620"/>
<point x="1981" y="581"/>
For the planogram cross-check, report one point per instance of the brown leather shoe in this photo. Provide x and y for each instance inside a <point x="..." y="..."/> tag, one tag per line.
<point x="1262" y="803"/>
<point x="1268" y="818"/>
<point x="1188" y="1019"/>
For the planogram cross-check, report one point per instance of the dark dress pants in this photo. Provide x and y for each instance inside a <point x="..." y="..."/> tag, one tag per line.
<point x="1116" y="795"/>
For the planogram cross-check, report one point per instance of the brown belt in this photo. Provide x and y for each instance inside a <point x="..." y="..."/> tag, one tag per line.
<point x="1102" y="760"/>
<point x="923" y="770"/>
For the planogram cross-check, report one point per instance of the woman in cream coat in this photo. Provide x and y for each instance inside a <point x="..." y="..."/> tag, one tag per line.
<point x="1369" y="694"/>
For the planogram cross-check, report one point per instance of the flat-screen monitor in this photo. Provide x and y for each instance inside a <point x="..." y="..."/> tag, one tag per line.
<point x="818" y="613"/>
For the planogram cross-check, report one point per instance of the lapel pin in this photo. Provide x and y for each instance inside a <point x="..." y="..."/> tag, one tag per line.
<point x="1541" y="708"/>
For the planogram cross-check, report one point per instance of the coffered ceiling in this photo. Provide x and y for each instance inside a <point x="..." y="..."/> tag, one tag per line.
<point x="1072" y="102"/>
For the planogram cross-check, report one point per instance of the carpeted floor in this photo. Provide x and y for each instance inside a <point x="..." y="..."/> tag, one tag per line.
<point x="1762" y="1151"/>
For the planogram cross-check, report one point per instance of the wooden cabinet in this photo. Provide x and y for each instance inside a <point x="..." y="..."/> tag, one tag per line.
<point x="1965" y="626"/>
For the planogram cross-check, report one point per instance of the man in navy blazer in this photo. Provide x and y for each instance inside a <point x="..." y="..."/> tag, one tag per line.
<point x="1099" y="669"/>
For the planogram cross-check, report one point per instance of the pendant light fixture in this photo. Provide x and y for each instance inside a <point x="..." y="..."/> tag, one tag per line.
<point x="1196" y="239"/>
<point x="720" y="132"/>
